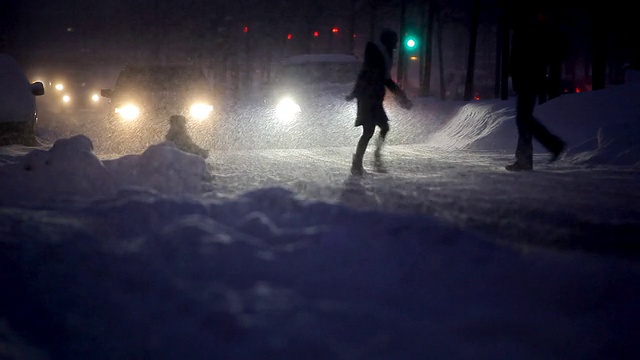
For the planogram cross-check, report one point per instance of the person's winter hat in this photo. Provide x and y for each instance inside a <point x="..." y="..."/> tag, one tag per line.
<point x="389" y="38"/>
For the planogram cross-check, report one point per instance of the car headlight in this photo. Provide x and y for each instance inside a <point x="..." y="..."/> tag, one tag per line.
<point x="200" y="111"/>
<point x="66" y="99"/>
<point x="287" y="109"/>
<point x="95" y="98"/>
<point x="128" y="112"/>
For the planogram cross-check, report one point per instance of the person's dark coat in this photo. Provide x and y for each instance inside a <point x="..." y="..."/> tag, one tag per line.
<point x="537" y="44"/>
<point x="372" y="80"/>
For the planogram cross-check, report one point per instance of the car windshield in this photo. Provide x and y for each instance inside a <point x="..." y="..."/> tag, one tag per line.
<point x="161" y="78"/>
<point x="320" y="72"/>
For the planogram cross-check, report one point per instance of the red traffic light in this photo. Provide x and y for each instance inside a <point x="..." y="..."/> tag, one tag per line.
<point x="316" y="34"/>
<point x="246" y="29"/>
<point x="289" y="36"/>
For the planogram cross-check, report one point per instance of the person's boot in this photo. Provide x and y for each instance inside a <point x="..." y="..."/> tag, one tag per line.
<point x="557" y="150"/>
<point x="516" y="166"/>
<point x="356" y="166"/>
<point x="378" y="166"/>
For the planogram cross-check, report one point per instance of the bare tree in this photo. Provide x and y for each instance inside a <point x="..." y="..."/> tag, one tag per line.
<point x="473" y="36"/>
<point x="502" y="54"/>
<point x="443" y="86"/>
<point x="428" y="10"/>
<point x="599" y="52"/>
<point x="401" y="74"/>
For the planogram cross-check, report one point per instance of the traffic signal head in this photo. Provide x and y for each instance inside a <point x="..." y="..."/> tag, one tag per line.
<point x="410" y="42"/>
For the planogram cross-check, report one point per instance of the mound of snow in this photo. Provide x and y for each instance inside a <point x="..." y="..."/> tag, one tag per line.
<point x="70" y="169"/>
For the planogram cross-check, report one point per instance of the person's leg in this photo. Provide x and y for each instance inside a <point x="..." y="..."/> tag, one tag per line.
<point x="525" y="102"/>
<point x="551" y="142"/>
<point x="367" y="133"/>
<point x="384" y="129"/>
<point x="377" y="164"/>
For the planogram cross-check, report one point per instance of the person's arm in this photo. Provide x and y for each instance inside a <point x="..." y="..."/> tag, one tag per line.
<point x="400" y="95"/>
<point x="357" y="88"/>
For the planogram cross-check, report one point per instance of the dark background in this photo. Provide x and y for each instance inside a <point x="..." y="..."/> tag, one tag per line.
<point x="240" y="41"/>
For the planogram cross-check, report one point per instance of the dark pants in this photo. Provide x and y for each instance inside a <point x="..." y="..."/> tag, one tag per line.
<point x="529" y="128"/>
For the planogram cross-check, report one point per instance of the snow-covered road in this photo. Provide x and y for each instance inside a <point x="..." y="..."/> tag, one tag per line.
<point x="281" y="254"/>
<point x="558" y="205"/>
<point x="433" y="170"/>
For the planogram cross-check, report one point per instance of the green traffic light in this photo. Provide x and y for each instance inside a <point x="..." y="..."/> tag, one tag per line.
<point x="411" y="43"/>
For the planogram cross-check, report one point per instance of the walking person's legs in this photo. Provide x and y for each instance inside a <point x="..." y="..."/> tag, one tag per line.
<point x="367" y="134"/>
<point x="550" y="141"/>
<point x="525" y="102"/>
<point x="529" y="128"/>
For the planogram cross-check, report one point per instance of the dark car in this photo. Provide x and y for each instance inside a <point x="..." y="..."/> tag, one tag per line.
<point x="18" y="111"/>
<point x="145" y="97"/>
<point x="303" y="105"/>
<point x="306" y="86"/>
<point x="148" y="93"/>
<point x="69" y="91"/>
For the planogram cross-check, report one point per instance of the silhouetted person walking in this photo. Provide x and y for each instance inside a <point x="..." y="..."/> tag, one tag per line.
<point x="532" y="48"/>
<point x="369" y="89"/>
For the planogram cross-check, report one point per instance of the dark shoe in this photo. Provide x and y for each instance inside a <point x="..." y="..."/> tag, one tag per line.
<point x="356" y="166"/>
<point x="378" y="166"/>
<point x="357" y="171"/>
<point x="516" y="166"/>
<point x="555" y="154"/>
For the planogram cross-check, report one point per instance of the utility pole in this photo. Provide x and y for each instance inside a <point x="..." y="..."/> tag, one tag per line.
<point x="502" y="55"/>
<point x="473" y="36"/>
<point x="401" y="51"/>
<point x="427" y="47"/>
<point x="352" y="26"/>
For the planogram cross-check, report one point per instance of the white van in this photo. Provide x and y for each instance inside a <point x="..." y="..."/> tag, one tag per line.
<point x="18" y="111"/>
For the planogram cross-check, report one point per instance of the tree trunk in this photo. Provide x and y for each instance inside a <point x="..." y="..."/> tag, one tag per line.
<point x="401" y="50"/>
<point x="505" y="58"/>
<point x="352" y="26"/>
<point x="473" y="37"/>
<point x="599" y="55"/>
<point x="427" y="46"/>
<point x="443" y="85"/>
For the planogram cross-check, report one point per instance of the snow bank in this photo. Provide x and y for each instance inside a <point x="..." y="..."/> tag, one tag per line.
<point x="70" y="169"/>
<point x="600" y="127"/>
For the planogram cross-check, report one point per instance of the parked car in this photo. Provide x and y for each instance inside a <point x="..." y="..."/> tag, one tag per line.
<point x="18" y="110"/>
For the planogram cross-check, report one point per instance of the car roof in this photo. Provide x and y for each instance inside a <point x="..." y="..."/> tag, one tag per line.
<point x="159" y="66"/>
<point x="160" y="76"/>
